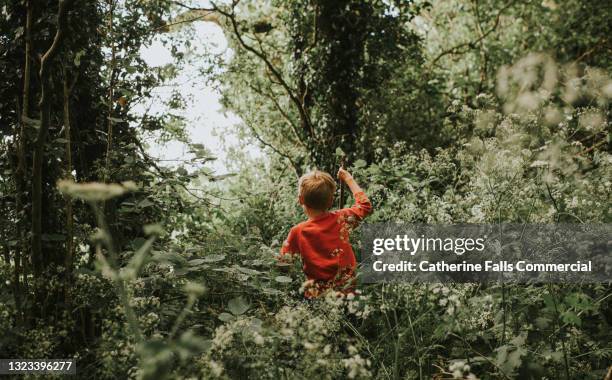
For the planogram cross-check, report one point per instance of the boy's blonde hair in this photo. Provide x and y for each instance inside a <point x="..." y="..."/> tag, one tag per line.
<point x="317" y="189"/>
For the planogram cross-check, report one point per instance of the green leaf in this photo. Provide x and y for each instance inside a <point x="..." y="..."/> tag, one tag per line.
<point x="571" y="318"/>
<point x="557" y="356"/>
<point x="509" y="361"/>
<point x="359" y="164"/>
<point x="169" y="257"/>
<point x="283" y="279"/>
<point x="213" y="258"/>
<point x="238" y="305"/>
<point x="542" y="322"/>
<point x="519" y="340"/>
<point x="248" y="271"/>
<point x="226" y="317"/>
<point x="145" y="203"/>
<point x="77" y="57"/>
<point x="197" y="146"/>
<point x="549" y="302"/>
<point x="137" y="243"/>
<point x="182" y="271"/>
<point x="271" y="291"/>
<point x="196" y="262"/>
<point x="514" y="360"/>
<point x="224" y="270"/>
<point x="580" y="301"/>
<point x="502" y="355"/>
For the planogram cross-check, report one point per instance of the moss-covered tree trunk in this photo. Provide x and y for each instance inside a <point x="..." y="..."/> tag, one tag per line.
<point x="329" y="49"/>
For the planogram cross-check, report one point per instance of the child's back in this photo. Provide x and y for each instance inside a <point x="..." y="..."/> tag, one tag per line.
<point x="323" y="240"/>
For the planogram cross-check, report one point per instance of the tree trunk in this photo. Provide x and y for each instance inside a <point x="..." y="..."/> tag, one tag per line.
<point x="68" y="259"/>
<point x="22" y="246"/>
<point x="342" y="28"/>
<point x="38" y="258"/>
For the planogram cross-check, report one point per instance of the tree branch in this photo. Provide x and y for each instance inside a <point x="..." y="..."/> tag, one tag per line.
<point x="296" y="167"/>
<point x="483" y="54"/>
<point x="304" y="117"/>
<point x="111" y="90"/>
<point x="281" y="111"/>
<point x="454" y="49"/>
<point x="206" y="15"/>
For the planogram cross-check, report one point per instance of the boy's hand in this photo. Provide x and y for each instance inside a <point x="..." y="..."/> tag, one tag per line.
<point x="343" y="175"/>
<point x="348" y="179"/>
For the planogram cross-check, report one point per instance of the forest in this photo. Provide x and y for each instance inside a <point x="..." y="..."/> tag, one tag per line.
<point x="445" y="112"/>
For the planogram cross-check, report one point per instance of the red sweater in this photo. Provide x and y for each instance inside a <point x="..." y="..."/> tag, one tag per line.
<point x="323" y="243"/>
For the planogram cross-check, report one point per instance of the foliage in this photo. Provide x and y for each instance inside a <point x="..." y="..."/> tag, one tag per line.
<point x="157" y="272"/>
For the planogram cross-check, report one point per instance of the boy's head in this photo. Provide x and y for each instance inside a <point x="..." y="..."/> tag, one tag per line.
<point x="316" y="190"/>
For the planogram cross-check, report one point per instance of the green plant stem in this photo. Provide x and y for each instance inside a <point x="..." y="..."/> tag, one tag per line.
<point x="124" y="296"/>
<point x="179" y="320"/>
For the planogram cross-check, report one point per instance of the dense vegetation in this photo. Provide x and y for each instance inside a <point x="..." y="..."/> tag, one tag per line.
<point x="477" y="111"/>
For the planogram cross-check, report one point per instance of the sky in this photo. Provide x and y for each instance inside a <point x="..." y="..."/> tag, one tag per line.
<point x="206" y="121"/>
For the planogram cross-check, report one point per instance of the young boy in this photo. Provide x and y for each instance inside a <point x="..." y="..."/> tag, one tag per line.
<point x="323" y="240"/>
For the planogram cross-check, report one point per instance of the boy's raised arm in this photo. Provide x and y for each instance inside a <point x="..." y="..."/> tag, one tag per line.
<point x="347" y="178"/>
<point x="362" y="207"/>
